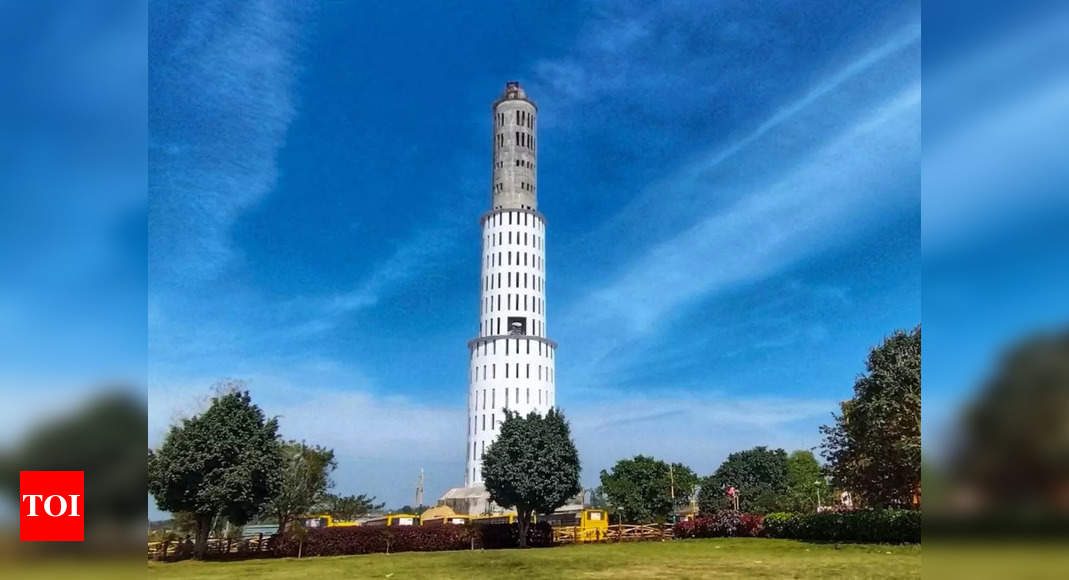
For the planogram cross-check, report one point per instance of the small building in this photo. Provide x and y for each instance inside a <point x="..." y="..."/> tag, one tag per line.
<point x="472" y="501"/>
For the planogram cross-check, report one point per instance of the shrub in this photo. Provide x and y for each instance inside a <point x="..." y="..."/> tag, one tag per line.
<point x="751" y="526"/>
<point x="685" y="529"/>
<point x="723" y="523"/>
<point x="876" y="526"/>
<point x="367" y="540"/>
<point x="779" y="525"/>
<point x="890" y="526"/>
<point x="539" y="535"/>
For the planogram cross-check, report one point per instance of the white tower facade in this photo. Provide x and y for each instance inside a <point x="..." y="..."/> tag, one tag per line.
<point x="511" y="361"/>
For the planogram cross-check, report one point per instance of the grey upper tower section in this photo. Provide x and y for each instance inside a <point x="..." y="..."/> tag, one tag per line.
<point x="515" y="184"/>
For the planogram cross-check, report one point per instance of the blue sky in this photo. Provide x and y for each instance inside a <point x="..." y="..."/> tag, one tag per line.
<point x="732" y="191"/>
<point x="994" y="203"/>
<point x="72" y="206"/>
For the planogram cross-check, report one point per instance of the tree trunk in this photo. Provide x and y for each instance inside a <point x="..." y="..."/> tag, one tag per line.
<point x="204" y="526"/>
<point x="525" y="522"/>
<point x="282" y="521"/>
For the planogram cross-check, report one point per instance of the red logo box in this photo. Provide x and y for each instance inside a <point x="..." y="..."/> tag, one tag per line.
<point x="51" y="506"/>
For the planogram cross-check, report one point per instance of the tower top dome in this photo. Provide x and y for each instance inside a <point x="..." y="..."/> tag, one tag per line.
<point x="513" y="91"/>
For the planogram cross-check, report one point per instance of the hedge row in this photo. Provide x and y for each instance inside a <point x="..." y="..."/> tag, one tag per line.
<point x="883" y="526"/>
<point x="492" y="537"/>
<point x="342" y="541"/>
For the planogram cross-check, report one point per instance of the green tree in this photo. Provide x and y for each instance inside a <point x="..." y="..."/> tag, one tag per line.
<point x="305" y="480"/>
<point x="759" y="475"/>
<point x="532" y="466"/>
<point x="805" y="482"/>
<point x="598" y="499"/>
<point x="95" y="438"/>
<point x="1012" y="446"/>
<point x="185" y="524"/>
<point x="349" y="507"/>
<point x="411" y="509"/>
<point x="874" y="448"/>
<point x="225" y="462"/>
<point x="640" y="489"/>
<point x="684" y="482"/>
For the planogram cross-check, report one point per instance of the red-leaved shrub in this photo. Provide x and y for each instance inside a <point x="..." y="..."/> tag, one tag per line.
<point x="367" y="540"/>
<point x="720" y="524"/>
<point x="751" y="525"/>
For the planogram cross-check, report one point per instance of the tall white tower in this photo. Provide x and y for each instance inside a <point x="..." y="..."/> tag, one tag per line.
<point x="511" y="360"/>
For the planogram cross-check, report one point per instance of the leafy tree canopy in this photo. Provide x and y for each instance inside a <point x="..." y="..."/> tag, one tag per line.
<point x="805" y="483"/>
<point x="225" y="462"/>
<point x="1013" y="436"/>
<point x="532" y="466"/>
<point x="410" y="509"/>
<point x="304" y="483"/>
<point x="598" y="499"/>
<point x="349" y="507"/>
<point x="95" y="438"/>
<point x="759" y="475"/>
<point x="640" y="489"/>
<point x="874" y="447"/>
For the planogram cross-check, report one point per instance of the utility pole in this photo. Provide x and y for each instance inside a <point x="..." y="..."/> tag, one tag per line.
<point x="419" y="489"/>
<point x="672" y="490"/>
<point x="672" y="482"/>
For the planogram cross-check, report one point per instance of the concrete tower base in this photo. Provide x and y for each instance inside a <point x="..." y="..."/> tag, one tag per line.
<point x="475" y="501"/>
<point x="472" y="501"/>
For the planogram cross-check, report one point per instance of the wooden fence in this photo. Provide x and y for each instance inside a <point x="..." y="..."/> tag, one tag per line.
<point x="176" y="549"/>
<point x="614" y="533"/>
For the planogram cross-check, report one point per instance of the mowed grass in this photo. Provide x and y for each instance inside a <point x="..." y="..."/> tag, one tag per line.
<point x="713" y="558"/>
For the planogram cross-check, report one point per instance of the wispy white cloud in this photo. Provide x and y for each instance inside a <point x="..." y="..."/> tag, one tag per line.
<point x="241" y="324"/>
<point x="1009" y="187"/>
<point x="223" y="103"/>
<point x="612" y="56"/>
<point x="865" y="63"/>
<point x="827" y="161"/>
<point x="824" y="200"/>
<point x="808" y="118"/>
<point x="412" y="259"/>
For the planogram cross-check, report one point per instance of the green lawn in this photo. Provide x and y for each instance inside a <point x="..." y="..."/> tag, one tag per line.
<point x="716" y="558"/>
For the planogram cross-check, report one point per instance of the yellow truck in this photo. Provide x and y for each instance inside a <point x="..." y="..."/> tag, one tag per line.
<point x="325" y="521"/>
<point x="585" y="525"/>
<point x="393" y="520"/>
